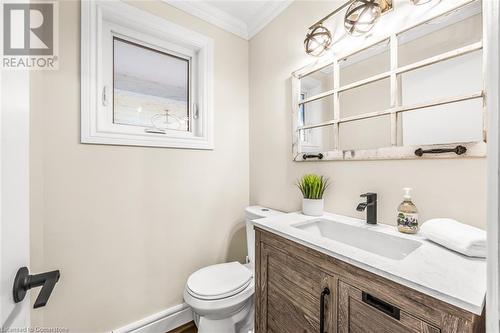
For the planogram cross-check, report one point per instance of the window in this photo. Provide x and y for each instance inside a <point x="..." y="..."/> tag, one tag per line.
<point x="420" y="86"/>
<point x="145" y="81"/>
<point x="152" y="93"/>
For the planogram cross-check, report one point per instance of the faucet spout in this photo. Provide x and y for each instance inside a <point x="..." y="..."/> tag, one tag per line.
<point x="361" y="207"/>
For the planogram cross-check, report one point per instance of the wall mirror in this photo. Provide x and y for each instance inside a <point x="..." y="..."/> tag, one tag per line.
<point x="414" y="84"/>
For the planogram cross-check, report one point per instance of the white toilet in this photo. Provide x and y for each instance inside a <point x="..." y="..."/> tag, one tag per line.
<point x="221" y="296"/>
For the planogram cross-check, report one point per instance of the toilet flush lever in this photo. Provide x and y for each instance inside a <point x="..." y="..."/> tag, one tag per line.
<point x="24" y="282"/>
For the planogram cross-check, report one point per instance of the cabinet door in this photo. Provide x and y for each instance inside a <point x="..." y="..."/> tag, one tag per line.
<point x="359" y="311"/>
<point x="289" y="294"/>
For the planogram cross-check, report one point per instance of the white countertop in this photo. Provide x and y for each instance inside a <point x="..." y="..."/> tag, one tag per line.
<point x="430" y="269"/>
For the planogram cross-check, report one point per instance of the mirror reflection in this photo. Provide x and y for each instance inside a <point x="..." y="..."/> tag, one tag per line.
<point x="317" y="139"/>
<point x="317" y="82"/>
<point x="371" y="61"/>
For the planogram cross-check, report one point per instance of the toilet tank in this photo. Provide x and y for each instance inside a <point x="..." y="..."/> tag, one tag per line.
<point x="252" y="213"/>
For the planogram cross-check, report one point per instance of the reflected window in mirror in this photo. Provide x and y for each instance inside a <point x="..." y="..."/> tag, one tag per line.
<point x="302" y="117"/>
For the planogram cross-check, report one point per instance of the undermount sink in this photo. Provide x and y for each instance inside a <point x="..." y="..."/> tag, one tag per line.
<point x="372" y="241"/>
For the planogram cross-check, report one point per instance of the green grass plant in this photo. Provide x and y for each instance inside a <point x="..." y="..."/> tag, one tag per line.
<point x="313" y="186"/>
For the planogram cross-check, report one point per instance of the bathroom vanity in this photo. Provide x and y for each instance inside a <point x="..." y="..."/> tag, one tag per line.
<point x="338" y="274"/>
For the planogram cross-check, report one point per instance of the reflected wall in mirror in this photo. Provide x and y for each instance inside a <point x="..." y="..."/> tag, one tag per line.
<point x="419" y="85"/>
<point x="445" y="33"/>
<point x="371" y="61"/>
<point x="444" y="124"/>
<point x="372" y="97"/>
<point x="455" y="77"/>
<point x="370" y="133"/>
<point x="458" y="122"/>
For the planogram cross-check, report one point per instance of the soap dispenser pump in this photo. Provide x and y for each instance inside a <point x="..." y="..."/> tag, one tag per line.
<point x="407" y="214"/>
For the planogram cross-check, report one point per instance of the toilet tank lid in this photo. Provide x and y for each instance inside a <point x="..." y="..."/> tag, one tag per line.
<point x="256" y="212"/>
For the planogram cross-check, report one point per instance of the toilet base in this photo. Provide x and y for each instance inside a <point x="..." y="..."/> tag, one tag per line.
<point x="240" y="322"/>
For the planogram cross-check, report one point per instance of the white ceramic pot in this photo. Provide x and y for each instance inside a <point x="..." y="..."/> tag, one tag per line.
<point x="312" y="207"/>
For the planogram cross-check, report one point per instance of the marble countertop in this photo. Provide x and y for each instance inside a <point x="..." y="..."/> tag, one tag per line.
<point x="430" y="269"/>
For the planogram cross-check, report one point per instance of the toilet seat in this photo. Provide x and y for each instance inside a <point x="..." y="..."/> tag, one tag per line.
<point x="219" y="281"/>
<point x="220" y="308"/>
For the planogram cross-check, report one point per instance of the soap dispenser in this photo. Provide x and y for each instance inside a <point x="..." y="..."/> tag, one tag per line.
<point x="407" y="214"/>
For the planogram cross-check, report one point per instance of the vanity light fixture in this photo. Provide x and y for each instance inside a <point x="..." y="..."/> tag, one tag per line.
<point x="359" y="19"/>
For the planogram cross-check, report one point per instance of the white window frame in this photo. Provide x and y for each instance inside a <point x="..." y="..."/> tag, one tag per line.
<point x="101" y="21"/>
<point x="474" y="149"/>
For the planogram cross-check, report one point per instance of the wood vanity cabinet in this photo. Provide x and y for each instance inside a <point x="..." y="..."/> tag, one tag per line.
<point x="361" y="312"/>
<point x="298" y="289"/>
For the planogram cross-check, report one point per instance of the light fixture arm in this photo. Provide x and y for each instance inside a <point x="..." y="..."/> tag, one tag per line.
<point x="347" y="3"/>
<point x="387" y="6"/>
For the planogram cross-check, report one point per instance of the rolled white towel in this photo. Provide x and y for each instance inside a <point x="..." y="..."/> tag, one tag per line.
<point x="456" y="236"/>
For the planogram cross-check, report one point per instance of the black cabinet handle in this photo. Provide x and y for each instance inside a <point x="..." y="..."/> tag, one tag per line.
<point x="380" y="305"/>
<point x="324" y="293"/>
<point x="24" y="282"/>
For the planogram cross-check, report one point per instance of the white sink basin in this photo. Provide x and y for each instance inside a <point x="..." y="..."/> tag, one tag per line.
<point x="375" y="242"/>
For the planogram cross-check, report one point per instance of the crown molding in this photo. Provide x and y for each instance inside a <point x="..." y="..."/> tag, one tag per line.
<point x="266" y="16"/>
<point x="223" y="20"/>
<point x="212" y="15"/>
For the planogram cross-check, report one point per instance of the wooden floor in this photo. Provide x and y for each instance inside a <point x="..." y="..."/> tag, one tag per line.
<point x="186" y="328"/>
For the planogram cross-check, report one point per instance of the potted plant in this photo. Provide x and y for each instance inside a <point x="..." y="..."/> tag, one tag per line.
<point x="312" y="187"/>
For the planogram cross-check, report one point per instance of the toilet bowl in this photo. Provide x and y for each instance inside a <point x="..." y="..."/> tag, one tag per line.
<point x="221" y="295"/>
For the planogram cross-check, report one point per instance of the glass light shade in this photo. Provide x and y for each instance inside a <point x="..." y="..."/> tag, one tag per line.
<point x="361" y="16"/>
<point x="318" y="40"/>
<point x="420" y="2"/>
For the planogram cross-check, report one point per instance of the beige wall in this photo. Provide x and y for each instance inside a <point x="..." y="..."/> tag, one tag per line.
<point x="127" y="225"/>
<point x="452" y="188"/>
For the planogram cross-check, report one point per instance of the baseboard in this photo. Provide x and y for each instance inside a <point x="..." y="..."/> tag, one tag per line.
<point x="187" y="328"/>
<point x="160" y="322"/>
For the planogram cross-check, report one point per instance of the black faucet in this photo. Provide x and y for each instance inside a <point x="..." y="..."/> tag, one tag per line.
<point x="371" y="204"/>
